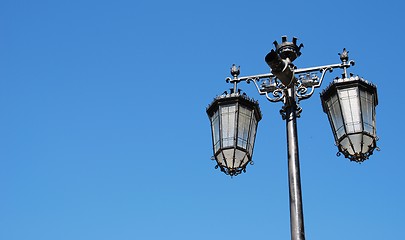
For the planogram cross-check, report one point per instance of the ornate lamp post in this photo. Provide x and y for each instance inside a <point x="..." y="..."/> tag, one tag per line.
<point x="349" y="103"/>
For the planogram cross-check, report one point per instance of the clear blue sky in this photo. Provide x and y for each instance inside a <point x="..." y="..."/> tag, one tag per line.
<point x="104" y="135"/>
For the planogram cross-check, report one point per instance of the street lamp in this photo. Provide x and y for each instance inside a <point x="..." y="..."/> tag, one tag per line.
<point x="348" y="101"/>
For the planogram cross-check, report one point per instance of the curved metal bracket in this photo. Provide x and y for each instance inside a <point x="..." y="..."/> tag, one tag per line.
<point x="304" y="86"/>
<point x="310" y="82"/>
<point x="274" y="88"/>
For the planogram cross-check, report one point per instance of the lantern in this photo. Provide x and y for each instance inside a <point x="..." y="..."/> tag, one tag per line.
<point x="234" y="118"/>
<point x="350" y="105"/>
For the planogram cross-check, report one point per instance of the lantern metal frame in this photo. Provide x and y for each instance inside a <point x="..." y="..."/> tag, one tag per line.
<point x="290" y="85"/>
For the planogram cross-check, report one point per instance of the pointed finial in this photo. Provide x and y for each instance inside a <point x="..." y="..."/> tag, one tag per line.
<point x="235" y="71"/>
<point x="344" y="56"/>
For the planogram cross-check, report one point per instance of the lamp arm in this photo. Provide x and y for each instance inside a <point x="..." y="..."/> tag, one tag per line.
<point x="275" y="92"/>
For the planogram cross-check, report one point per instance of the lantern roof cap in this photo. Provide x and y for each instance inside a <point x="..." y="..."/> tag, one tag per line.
<point x="339" y="83"/>
<point x="351" y="78"/>
<point x="226" y="97"/>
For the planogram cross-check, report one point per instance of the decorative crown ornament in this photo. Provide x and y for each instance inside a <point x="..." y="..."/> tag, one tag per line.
<point x="288" y="49"/>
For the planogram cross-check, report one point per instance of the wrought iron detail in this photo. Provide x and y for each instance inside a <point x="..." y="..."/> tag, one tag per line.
<point x="232" y="172"/>
<point x="306" y="79"/>
<point x="358" y="157"/>
<point x="283" y="112"/>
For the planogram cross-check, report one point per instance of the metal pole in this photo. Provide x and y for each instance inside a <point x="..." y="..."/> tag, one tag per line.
<point x="294" y="180"/>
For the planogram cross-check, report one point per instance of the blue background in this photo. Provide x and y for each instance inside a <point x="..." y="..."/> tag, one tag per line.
<point x="104" y="135"/>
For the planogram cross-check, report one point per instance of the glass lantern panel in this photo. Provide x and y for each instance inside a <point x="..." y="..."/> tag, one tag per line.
<point x="229" y="156"/>
<point x="367" y="143"/>
<point x="240" y="158"/>
<point x="350" y="104"/>
<point x="346" y="145"/>
<point x="220" y="159"/>
<point x="357" y="142"/>
<point x="243" y="126"/>
<point x="367" y="107"/>
<point x="336" y="115"/>
<point x="228" y="125"/>
<point x="253" y="127"/>
<point x="215" y="131"/>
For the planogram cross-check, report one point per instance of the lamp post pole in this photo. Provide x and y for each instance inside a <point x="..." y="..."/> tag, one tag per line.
<point x="294" y="179"/>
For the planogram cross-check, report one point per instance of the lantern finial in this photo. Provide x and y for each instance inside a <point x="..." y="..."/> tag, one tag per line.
<point x="344" y="56"/>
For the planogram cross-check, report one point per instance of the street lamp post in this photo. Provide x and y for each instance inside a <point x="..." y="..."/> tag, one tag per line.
<point x="349" y="103"/>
